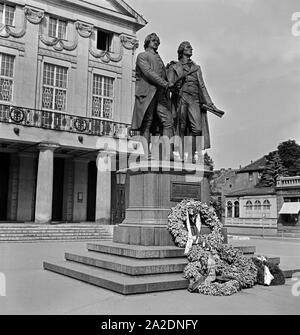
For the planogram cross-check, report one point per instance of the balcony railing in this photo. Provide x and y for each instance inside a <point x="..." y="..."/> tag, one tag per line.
<point x="30" y="117"/>
<point x="288" y="181"/>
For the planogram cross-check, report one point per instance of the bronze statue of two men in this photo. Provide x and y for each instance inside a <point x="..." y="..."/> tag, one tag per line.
<point x="171" y="101"/>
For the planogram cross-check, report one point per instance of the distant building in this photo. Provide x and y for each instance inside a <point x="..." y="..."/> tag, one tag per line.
<point x="265" y="210"/>
<point x="229" y="180"/>
<point x="253" y="210"/>
<point x="66" y="90"/>
<point x="288" y="204"/>
<point x="249" y="209"/>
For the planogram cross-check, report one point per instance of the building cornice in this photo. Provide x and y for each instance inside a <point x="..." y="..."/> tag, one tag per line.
<point x="132" y="18"/>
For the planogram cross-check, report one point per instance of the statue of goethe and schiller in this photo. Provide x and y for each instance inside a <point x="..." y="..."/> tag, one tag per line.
<point x="171" y="100"/>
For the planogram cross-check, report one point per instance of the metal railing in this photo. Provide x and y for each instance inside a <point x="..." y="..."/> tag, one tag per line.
<point x="30" y="117"/>
<point x="258" y="222"/>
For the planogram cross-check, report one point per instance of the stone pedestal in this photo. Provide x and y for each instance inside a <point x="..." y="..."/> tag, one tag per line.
<point x="155" y="187"/>
<point x="142" y="257"/>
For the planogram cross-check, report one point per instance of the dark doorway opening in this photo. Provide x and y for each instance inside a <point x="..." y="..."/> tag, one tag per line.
<point x="4" y="177"/>
<point x="91" y="196"/>
<point x="58" y="189"/>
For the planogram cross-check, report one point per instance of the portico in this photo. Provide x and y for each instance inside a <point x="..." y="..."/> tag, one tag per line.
<point x="69" y="178"/>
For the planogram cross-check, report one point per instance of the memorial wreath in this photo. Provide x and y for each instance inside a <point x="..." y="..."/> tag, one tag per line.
<point x="214" y="268"/>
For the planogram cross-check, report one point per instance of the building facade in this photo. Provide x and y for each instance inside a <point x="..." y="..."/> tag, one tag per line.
<point x="265" y="210"/>
<point x="66" y="99"/>
<point x="225" y="181"/>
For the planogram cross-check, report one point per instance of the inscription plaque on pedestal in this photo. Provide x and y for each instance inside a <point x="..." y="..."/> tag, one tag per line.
<point x="180" y="191"/>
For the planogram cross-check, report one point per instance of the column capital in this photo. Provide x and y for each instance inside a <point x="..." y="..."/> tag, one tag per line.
<point x="48" y="146"/>
<point x="105" y="153"/>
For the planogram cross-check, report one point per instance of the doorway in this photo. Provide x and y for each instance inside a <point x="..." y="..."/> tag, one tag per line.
<point x="4" y="177"/>
<point x="91" y="195"/>
<point x="58" y="189"/>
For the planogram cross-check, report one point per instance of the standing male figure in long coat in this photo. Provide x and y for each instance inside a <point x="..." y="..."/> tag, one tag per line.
<point x="189" y="94"/>
<point x="152" y="106"/>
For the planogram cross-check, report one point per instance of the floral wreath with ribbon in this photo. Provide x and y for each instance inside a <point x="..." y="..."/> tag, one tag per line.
<point x="214" y="268"/>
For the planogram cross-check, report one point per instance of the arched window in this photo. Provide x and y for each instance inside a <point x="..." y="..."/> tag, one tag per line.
<point x="266" y="205"/>
<point x="236" y="209"/>
<point x="229" y="209"/>
<point x="249" y="205"/>
<point x="257" y="205"/>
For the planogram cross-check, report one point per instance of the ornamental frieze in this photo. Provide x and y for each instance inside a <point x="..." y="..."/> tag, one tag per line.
<point x="17" y="32"/>
<point x="84" y="30"/>
<point x="34" y="16"/>
<point x="58" y="44"/>
<point x="129" y="43"/>
<point x="106" y="56"/>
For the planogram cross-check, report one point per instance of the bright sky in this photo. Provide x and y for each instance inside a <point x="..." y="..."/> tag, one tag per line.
<point x="251" y="65"/>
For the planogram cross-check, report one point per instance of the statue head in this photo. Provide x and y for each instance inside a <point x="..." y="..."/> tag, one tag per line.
<point x="181" y="47"/>
<point x="149" y="38"/>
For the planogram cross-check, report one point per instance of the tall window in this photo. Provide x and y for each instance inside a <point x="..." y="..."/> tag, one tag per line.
<point x="102" y="100"/>
<point x="266" y="205"/>
<point x="7" y="14"/>
<point x="229" y="209"/>
<point x="54" y="87"/>
<point x="257" y="205"/>
<point x="249" y="205"/>
<point x="57" y="28"/>
<point x="6" y="77"/>
<point x="104" y="40"/>
<point x="236" y="209"/>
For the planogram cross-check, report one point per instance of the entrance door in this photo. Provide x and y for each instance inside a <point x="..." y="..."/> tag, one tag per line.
<point x="91" y="196"/>
<point x="4" y="176"/>
<point x="58" y="189"/>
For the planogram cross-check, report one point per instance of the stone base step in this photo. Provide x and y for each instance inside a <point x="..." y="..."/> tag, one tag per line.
<point x="124" y="283"/>
<point x="127" y="265"/>
<point x="120" y="283"/>
<point x="139" y="251"/>
<point x="129" y="269"/>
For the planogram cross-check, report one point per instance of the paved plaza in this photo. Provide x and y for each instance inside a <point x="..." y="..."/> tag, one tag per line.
<point x="32" y="290"/>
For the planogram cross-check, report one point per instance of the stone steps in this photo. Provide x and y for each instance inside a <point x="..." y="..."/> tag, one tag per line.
<point x="33" y="232"/>
<point x="128" y="265"/>
<point x="120" y="283"/>
<point x="139" y="251"/>
<point x="129" y="269"/>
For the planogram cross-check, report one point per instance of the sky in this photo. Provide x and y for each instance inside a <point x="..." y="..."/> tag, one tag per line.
<point x="250" y="58"/>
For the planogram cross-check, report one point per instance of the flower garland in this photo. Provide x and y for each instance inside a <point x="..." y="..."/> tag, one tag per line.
<point x="214" y="268"/>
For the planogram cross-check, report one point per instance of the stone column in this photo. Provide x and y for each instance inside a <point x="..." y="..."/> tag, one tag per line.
<point x="44" y="187"/>
<point x="103" y="192"/>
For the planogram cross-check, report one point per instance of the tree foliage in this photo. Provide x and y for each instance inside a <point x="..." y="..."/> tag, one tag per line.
<point x="273" y="170"/>
<point x="208" y="161"/>
<point x="289" y="153"/>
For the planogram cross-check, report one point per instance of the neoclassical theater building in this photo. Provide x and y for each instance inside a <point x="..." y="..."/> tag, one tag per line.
<point x="66" y="90"/>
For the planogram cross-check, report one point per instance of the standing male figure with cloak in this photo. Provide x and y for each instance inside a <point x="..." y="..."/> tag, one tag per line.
<point x="152" y="108"/>
<point x="189" y="94"/>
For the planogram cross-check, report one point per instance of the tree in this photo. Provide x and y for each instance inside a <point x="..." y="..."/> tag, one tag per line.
<point x="273" y="170"/>
<point x="208" y="162"/>
<point x="289" y="153"/>
<point x="216" y="203"/>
